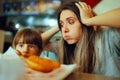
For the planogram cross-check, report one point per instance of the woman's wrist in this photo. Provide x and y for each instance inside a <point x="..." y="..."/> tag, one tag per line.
<point x="87" y="22"/>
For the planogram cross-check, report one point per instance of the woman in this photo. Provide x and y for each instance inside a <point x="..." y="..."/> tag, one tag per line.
<point x="93" y="51"/>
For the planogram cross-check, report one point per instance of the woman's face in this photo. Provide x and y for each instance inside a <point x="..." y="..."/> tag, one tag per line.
<point x="70" y="26"/>
<point x="27" y="50"/>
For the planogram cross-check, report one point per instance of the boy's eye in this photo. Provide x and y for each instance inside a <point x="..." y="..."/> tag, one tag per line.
<point x="20" y="45"/>
<point x="32" y="46"/>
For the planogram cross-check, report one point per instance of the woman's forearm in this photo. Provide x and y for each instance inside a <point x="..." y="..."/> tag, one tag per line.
<point x="110" y="18"/>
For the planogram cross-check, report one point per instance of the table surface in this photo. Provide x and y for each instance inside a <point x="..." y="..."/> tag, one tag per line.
<point x="86" y="76"/>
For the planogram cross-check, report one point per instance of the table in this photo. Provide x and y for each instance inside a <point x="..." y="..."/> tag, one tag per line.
<point x="86" y="76"/>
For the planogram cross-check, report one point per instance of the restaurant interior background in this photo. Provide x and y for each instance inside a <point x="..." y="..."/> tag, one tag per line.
<point x="38" y="14"/>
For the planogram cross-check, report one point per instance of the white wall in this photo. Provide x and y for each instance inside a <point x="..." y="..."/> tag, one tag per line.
<point x="106" y="5"/>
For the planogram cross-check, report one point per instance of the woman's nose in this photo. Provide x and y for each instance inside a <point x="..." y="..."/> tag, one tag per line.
<point x="65" y="29"/>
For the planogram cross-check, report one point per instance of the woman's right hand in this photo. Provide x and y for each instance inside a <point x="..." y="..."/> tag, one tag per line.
<point x="85" y="12"/>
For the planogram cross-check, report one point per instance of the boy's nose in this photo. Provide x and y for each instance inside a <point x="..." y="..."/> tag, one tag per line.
<point x="25" y="52"/>
<point x="26" y="48"/>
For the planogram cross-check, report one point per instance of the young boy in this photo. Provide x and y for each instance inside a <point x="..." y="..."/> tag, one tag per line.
<point x="28" y="42"/>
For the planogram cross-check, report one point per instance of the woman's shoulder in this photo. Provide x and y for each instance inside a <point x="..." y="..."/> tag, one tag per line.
<point x="109" y="38"/>
<point x="108" y="31"/>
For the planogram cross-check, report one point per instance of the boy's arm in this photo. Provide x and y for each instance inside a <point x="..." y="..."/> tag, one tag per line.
<point x="48" y="34"/>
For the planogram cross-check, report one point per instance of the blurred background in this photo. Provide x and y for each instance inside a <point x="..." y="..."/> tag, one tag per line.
<point x="37" y="14"/>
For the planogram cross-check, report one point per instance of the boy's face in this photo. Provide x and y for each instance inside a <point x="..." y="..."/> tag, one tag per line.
<point x="27" y="50"/>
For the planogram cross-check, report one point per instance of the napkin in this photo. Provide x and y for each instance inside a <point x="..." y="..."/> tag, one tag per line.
<point x="11" y="66"/>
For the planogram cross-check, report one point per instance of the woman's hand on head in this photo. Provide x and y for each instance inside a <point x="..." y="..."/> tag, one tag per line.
<point x="85" y="11"/>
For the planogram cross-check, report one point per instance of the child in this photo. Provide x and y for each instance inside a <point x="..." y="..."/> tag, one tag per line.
<point x="28" y="42"/>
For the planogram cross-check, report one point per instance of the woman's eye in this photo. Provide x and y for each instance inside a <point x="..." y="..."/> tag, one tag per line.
<point x="71" y="22"/>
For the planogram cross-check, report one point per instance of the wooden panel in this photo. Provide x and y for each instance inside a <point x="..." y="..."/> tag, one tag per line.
<point x="2" y="36"/>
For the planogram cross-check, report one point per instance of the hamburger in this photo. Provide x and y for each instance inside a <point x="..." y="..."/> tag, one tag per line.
<point x="42" y="64"/>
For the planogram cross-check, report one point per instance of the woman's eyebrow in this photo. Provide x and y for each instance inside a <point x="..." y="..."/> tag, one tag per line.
<point x="71" y="18"/>
<point x="67" y="18"/>
<point x="20" y="42"/>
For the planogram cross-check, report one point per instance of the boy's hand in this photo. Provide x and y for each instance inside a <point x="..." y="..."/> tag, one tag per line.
<point x="18" y="53"/>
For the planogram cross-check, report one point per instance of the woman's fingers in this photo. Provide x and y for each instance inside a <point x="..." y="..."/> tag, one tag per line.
<point x="78" y="5"/>
<point x="82" y="5"/>
<point x="85" y="11"/>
